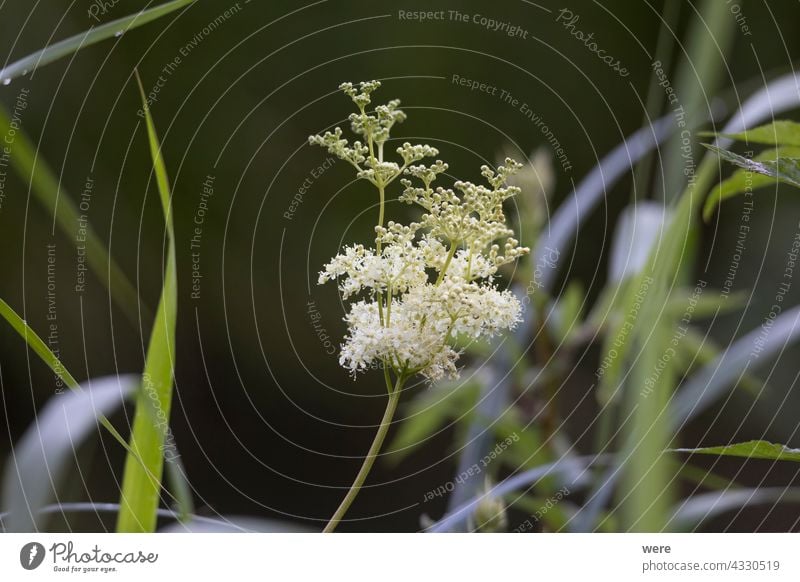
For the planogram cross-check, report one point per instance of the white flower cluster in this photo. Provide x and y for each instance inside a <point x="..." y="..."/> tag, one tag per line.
<point x="429" y="282"/>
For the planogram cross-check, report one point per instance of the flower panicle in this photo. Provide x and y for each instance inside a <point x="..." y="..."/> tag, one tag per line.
<point x="427" y="283"/>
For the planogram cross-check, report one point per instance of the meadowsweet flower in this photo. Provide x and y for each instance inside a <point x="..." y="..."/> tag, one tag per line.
<point x="425" y="284"/>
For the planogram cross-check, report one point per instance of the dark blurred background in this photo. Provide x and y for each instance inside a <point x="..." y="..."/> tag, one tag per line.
<point x="266" y="421"/>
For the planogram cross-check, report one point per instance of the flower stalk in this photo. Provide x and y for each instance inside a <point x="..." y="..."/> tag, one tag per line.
<point x="372" y="454"/>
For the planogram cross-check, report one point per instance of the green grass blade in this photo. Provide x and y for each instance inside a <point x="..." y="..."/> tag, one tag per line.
<point x="45" y="186"/>
<point x="644" y="491"/>
<point x="140" y="490"/>
<point x="782" y="132"/>
<point x="749" y="450"/>
<point x="92" y="36"/>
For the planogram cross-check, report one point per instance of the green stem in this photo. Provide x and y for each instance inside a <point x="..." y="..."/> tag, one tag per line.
<point x="381" y="192"/>
<point x="369" y="460"/>
<point x="450" y="255"/>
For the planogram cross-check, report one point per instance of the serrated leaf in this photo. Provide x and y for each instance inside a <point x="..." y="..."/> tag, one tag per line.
<point x="751" y="450"/>
<point x="786" y="170"/>
<point x="742" y="180"/>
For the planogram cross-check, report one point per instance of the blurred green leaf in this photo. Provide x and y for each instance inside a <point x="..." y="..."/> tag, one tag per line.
<point x="708" y="303"/>
<point x="428" y="412"/>
<point x="553" y="516"/>
<point x="92" y="36"/>
<point x="528" y="450"/>
<point x="778" y="133"/>
<point x="141" y="485"/>
<point x="39" y="460"/>
<point x="568" y="314"/>
<point x="750" y="450"/>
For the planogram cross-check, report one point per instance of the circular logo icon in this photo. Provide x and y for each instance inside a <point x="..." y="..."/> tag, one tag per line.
<point x="31" y="555"/>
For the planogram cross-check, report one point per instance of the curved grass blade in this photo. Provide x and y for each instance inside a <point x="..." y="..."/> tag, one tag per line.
<point x="694" y="511"/>
<point x="711" y="381"/>
<point x="235" y="524"/>
<point x="566" y="467"/>
<point x="39" y="460"/>
<point x="34" y="170"/>
<point x="92" y="36"/>
<point x="141" y="486"/>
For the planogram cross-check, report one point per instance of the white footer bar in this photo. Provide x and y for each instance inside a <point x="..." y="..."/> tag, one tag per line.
<point x="400" y="557"/>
